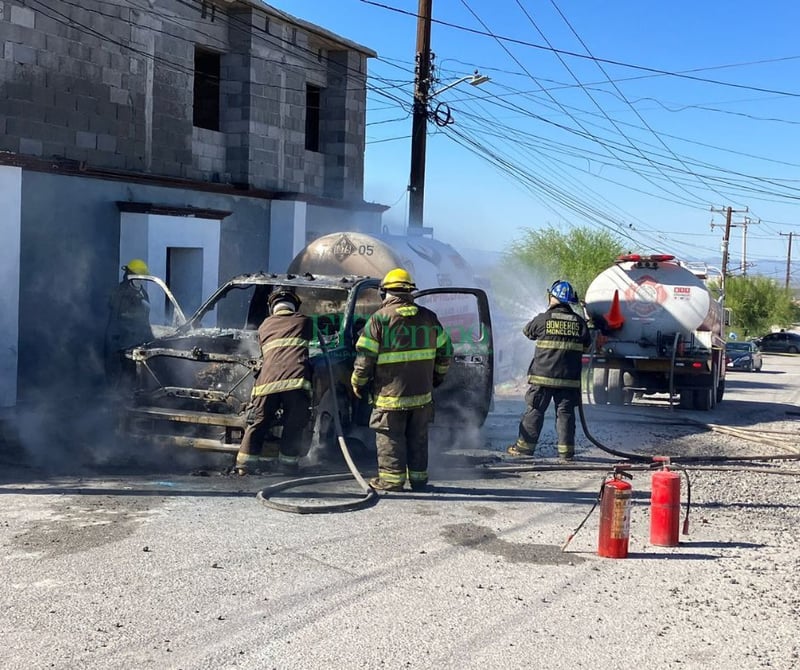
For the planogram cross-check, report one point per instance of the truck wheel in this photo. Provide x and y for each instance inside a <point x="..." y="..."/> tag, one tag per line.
<point x="687" y="399"/>
<point x="616" y="395"/>
<point x="720" y="390"/>
<point x="599" y="381"/>
<point x="703" y="399"/>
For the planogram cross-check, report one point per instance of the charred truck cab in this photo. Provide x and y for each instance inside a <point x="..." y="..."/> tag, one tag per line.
<point x="191" y="387"/>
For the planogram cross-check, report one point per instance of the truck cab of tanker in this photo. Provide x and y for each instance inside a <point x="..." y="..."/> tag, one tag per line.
<point x="191" y="387"/>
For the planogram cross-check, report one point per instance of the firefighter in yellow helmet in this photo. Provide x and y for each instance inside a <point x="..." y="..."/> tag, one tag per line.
<point x="405" y="352"/>
<point x="128" y="318"/>
<point x="284" y="382"/>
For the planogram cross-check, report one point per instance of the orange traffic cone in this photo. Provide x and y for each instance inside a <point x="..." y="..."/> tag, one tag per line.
<point x="614" y="318"/>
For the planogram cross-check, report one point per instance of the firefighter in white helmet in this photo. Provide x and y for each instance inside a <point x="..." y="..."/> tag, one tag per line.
<point x="128" y="318"/>
<point x="561" y="337"/>
<point x="405" y="352"/>
<point x="284" y="382"/>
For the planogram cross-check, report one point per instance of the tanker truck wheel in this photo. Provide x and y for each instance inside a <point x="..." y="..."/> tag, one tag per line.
<point x="616" y="392"/>
<point x="599" y="381"/>
<point x="704" y="399"/>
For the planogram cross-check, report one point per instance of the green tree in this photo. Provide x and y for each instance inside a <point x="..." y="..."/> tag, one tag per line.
<point x="757" y="304"/>
<point x="578" y="254"/>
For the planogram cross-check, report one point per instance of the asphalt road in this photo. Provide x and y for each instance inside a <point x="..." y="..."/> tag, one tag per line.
<point x="130" y="567"/>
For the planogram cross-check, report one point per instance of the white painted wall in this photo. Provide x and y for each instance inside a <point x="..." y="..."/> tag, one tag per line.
<point x="10" y="226"/>
<point x="148" y="236"/>
<point x="287" y="233"/>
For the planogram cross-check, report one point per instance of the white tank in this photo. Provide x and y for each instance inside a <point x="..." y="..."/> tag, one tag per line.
<point x="432" y="263"/>
<point x="655" y="296"/>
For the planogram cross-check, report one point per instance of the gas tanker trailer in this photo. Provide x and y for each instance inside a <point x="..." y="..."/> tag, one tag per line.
<point x="663" y="333"/>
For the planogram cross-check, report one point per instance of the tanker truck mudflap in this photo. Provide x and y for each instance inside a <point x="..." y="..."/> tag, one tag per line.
<point x="465" y="396"/>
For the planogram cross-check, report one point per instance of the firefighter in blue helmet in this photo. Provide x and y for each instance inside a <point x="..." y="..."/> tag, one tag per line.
<point x="561" y="337"/>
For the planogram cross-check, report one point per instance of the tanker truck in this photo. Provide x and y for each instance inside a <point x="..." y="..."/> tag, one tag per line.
<point x="663" y="333"/>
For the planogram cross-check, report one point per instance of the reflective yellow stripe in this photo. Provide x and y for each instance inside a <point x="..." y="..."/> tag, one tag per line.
<point x="441" y="369"/>
<point x="555" y="344"/>
<point x="402" y="402"/>
<point x="407" y="310"/>
<point x="418" y="475"/>
<point x="406" y="356"/>
<point x="392" y="477"/>
<point x="284" y="342"/>
<point x="553" y="381"/>
<point x="282" y="385"/>
<point x="356" y="380"/>
<point x="289" y="460"/>
<point x="368" y="344"/>
<point x="442" y="339"/>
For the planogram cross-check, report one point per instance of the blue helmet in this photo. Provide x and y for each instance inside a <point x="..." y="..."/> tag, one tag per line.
<point x="563" y="292"/>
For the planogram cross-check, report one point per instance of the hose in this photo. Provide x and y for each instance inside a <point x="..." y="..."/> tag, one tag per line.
<point x="370" y="497"/>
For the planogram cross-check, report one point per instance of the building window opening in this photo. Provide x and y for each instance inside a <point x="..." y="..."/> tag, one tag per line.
<point x="206" y="89"/>
<point x="313" y="96"/>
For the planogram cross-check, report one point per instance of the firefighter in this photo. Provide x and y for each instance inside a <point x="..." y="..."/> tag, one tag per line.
<point x="128" y="319"/>
<point x="283" y="383"/>
<point x="561" y="337"/>
<point x="405" y="352"/>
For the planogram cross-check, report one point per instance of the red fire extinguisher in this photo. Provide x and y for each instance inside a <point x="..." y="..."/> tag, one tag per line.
<point x="615" y="515"/>
<point x="665" y="505"/>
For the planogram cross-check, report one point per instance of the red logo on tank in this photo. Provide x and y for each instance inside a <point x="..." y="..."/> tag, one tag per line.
<point x="645" y="297"/>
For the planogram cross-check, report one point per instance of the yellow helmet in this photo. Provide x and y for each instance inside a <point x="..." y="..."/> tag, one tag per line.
<point x="136" y="267"/>
<point x="398" y="280"/>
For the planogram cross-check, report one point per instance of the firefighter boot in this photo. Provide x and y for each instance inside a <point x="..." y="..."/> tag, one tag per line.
<point x="381" y="484"/>
<point x="521" y="448"/>
<point x="247" y="464"/>
<point x="288" y="465"/>
<point x="565" y="453"/>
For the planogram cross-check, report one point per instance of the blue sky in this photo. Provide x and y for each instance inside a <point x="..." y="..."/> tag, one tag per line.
<point x="636" y="117"/>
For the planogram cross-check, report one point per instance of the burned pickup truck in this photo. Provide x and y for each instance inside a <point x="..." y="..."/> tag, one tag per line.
<point x="191" y="387"/>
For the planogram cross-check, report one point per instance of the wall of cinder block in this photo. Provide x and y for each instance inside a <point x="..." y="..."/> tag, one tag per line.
<point x="111" y="84"/>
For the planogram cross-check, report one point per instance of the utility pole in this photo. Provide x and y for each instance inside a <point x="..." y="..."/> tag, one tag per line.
<point x="788" y="258"/>
<point x="419" y="127"/>
<point x="747" y="221"/>
<point x="726" y="238"/>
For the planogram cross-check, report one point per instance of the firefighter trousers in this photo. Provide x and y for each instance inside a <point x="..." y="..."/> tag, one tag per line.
<point x="401" y="438"/>
<point x="538" y="400"/>
<point x="261" y="419"/>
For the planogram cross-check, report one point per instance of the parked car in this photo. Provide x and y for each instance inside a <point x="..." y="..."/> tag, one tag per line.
<point x="743" y="356"/>
<point x="783" y="342"/>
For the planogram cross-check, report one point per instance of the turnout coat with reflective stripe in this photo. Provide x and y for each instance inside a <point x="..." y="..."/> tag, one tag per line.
<point x="561" y="338"/>
<point x="403" y="346"/>
<point x="284" y="340"/>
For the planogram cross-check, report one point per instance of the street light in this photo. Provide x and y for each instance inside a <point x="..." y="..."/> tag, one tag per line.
<point x="475" y="79"/>
<point x="419" y="137"/>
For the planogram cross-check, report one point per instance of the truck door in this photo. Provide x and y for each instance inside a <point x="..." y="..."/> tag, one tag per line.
<point x="172" y="315"/>
<point x="465" y="396"/>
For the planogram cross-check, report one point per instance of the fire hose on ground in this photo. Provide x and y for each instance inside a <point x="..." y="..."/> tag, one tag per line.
<point x="370" y="496"/>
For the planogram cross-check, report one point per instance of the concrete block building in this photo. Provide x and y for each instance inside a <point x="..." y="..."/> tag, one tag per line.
<point x="207" y="137"/>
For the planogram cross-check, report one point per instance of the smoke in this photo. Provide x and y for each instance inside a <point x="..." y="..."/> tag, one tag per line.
<point x="516" y="295"/>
